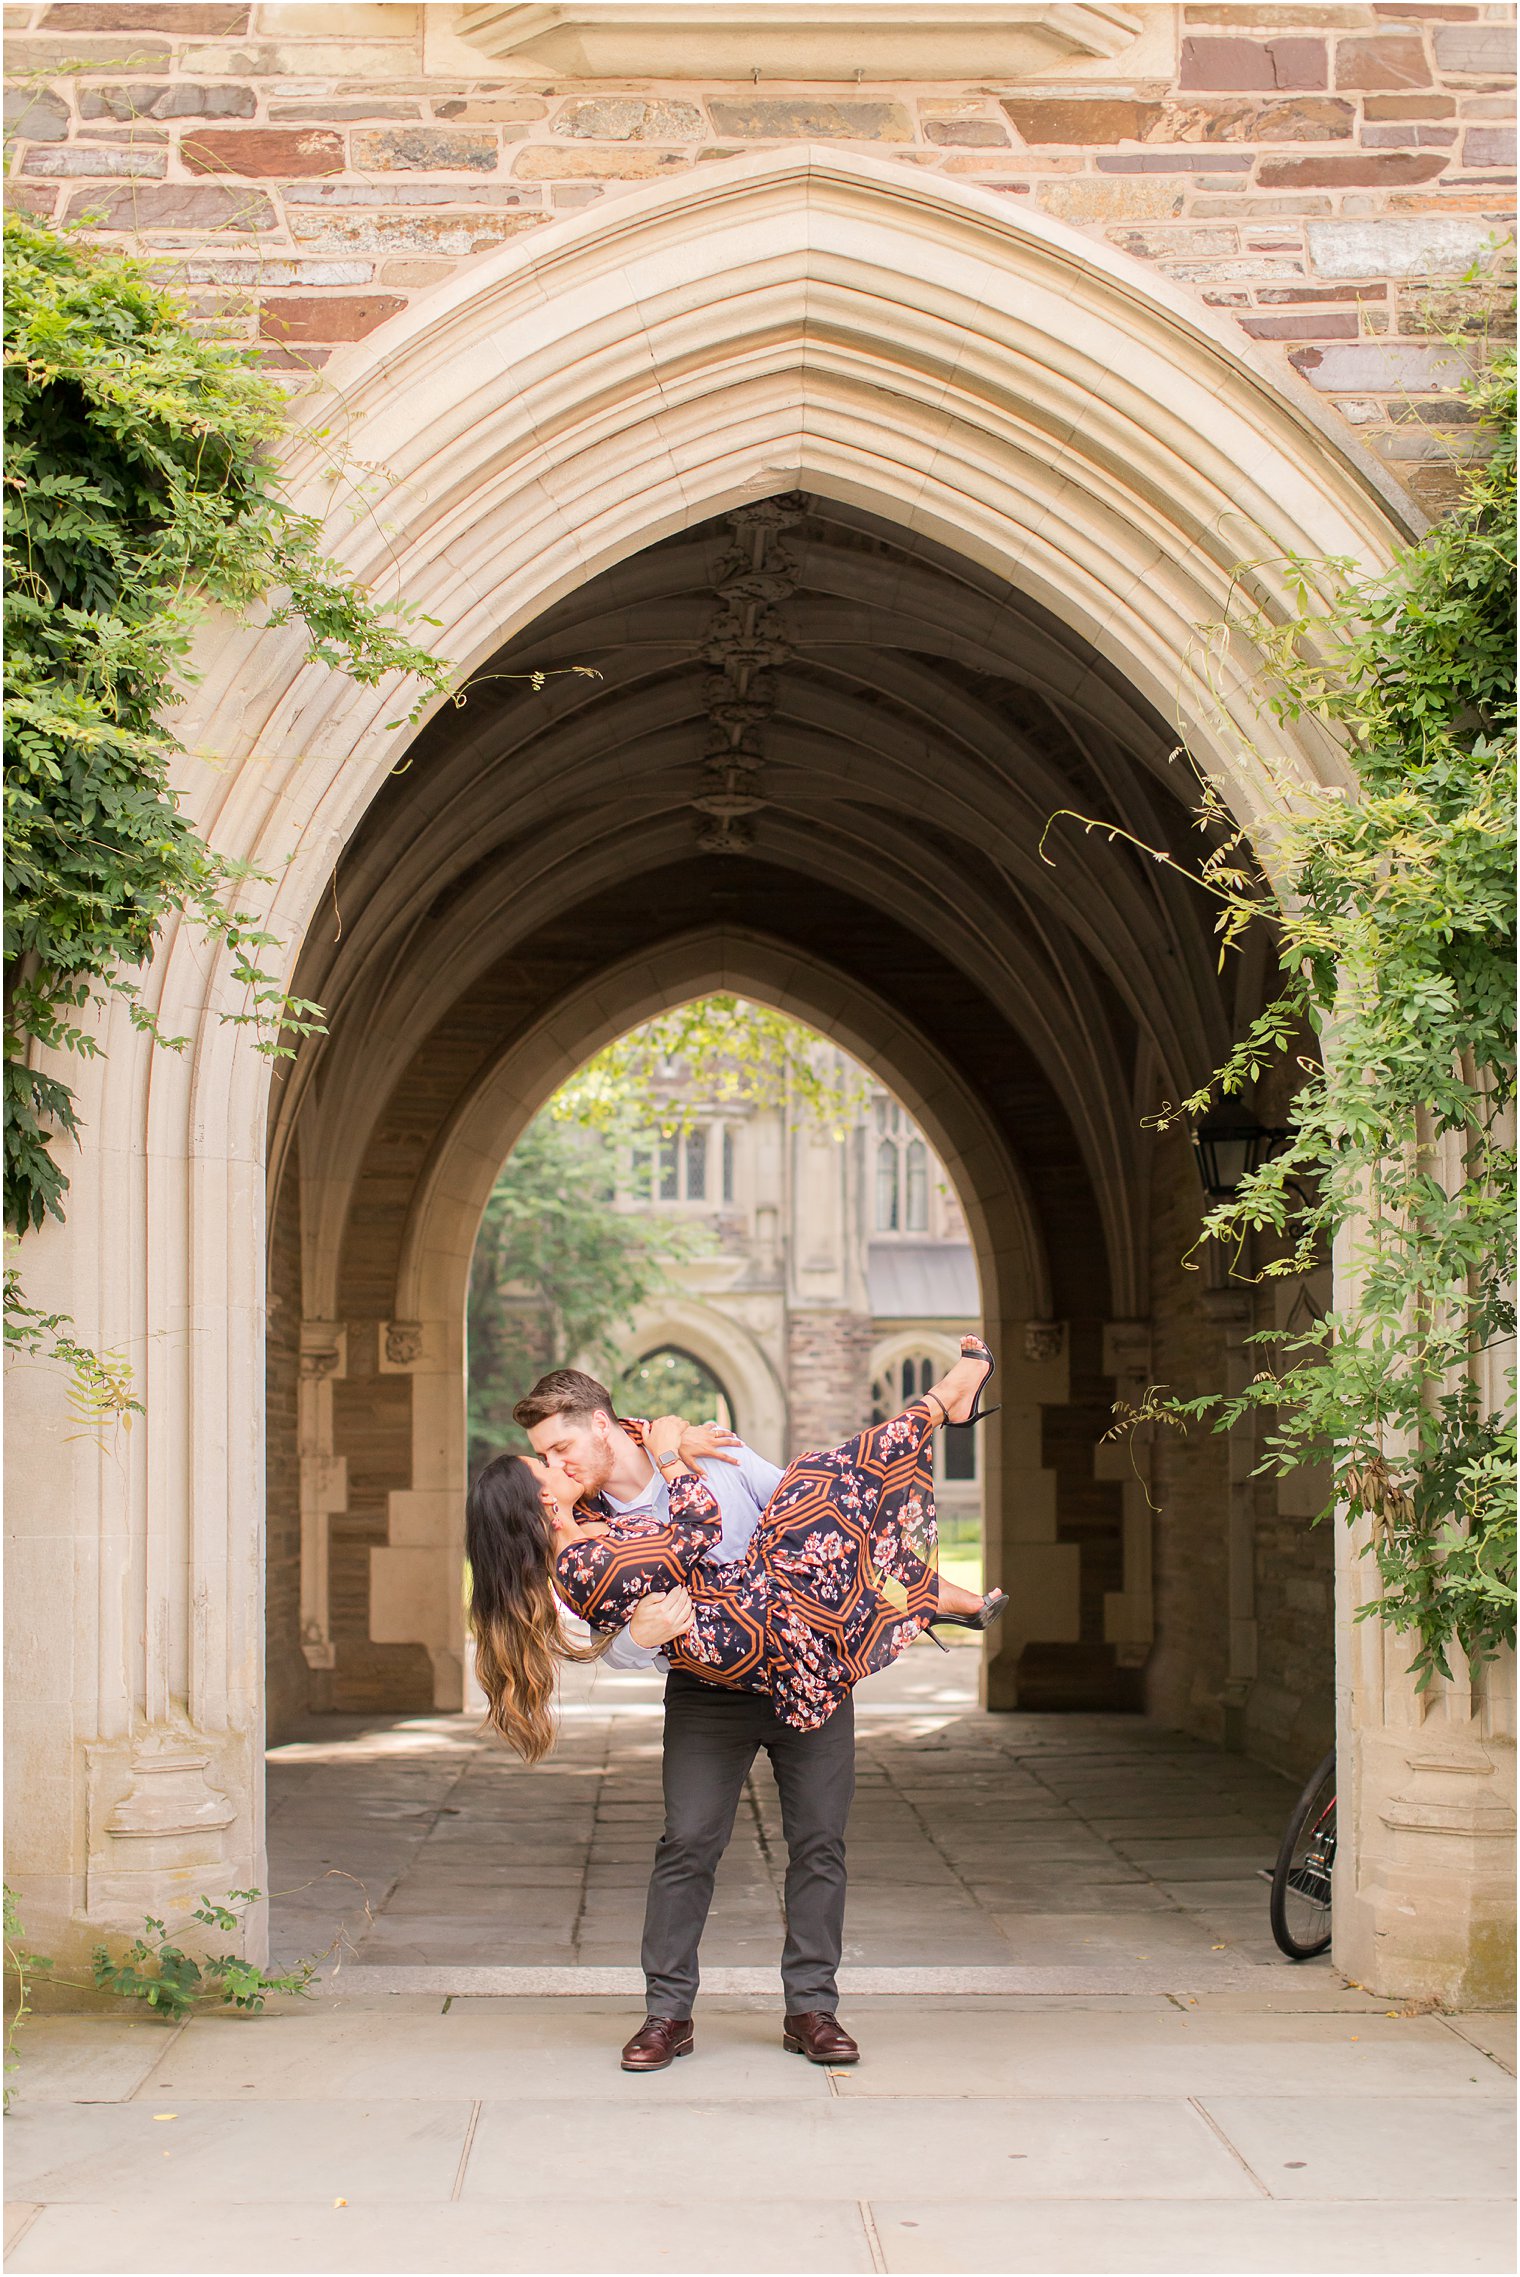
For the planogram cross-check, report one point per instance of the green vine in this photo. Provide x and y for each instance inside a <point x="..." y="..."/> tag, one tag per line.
<point x="137" y="493"/>
<point x="1394" y="918"/>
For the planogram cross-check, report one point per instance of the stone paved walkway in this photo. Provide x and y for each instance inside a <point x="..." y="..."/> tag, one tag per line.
<point x="1070" y="1843"/>
<point x="1184" y="2101"/>
<point x="1299" y="2130"/>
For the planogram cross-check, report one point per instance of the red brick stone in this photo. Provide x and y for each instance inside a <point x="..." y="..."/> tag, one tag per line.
<point x="263" y="152"/>
<point x="186" y="16"/>
<point x="226" y="207"/>
<point x="1409" y="107"/>
<point x="1489" y="146"/>
<point x="332" y="316"/>
<point x="30" y="197"/>
<point x="1419" y="10"/>
<point x="1393" y="59"/>
<point x="1377" y="170"/>
<point x="1083" y="120"/>
<point x="1231" y="63"/>
<point x="1324" y="324"/>
<point x="1274" y="296"/>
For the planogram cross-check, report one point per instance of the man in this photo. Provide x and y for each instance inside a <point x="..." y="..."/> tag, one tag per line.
<point x="712" y="1735"/>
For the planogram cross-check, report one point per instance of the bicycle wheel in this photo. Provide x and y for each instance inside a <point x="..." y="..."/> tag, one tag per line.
<point x="1303" y="1875"/>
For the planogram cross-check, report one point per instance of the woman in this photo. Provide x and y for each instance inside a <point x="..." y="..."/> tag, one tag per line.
<point x="839" y="1578"/>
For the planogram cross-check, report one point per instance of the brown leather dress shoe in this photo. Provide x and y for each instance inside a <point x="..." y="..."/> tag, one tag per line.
<point x="657" y="2043"/>
<point x="820" y="2037"/>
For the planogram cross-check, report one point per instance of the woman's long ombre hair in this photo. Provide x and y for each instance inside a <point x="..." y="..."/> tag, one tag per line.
<point x="519" y="1639"/>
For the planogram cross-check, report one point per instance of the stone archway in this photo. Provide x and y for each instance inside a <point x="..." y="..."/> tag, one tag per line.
<point x="988" y="383"/>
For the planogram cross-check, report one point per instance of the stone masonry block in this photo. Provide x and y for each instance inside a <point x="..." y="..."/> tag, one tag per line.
<point x="967" y="134"/>
<point x="1311" y="324"/>
<point x="1488" y="146"/>
<point x="623" y="162"/>
<point x="496" y="109"/>
<point x="171" y="206"/>
<point x="1392" y="60"/>
<point x="174" y="99"/>
<point x="1382" y="367"/>
<point x="1248" y="63"/>
<point x="629" y="118"/>
<point x="1376" y="170"/>
<point x="1476" y="50"/>
<point x="456" y="235"/>
<point x="1133" y="199"/>
<point x="1435" y="245"/>
<point x="1174" y="162"/>
<point x="471" y="150"/>
<point x="263" y="152"/>
<point x="1409" y="107"/>
<point x="1408" y="137"/>
<point x="203" y="18"/>
<point x="1309" y="118"/>
<point x="35" y="117"/>
<point x="763" y="118"/>
<point x="1081" y="121"/>
<point x="83" y="159"/>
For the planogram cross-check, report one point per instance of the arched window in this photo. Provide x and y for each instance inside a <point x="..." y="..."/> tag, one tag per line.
<point x="669" y="1381"/>
<point x="908" y="1379"/>
<point x="918" y="1187"/>
<point x="886" y="1186"/>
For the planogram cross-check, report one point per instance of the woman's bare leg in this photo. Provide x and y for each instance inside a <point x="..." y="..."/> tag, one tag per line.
<point x="953" y="1599"/>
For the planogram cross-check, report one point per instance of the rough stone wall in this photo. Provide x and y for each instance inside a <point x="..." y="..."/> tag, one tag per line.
<point x="828" y="1375"/>
<point x="1308" y="170"/>
<point x="287" y="1674"/>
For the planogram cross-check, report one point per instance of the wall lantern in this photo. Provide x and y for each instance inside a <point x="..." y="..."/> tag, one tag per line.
<point x="1229" y="1152"/>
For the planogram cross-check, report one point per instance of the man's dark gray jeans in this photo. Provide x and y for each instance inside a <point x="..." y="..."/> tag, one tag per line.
<point x="712" y="1736"/>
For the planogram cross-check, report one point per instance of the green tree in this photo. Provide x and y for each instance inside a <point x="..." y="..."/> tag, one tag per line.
<point x="1394" y="918"/>
<point x="740" y="1050"/>
<point x="138" y="492"/>
<point x="557" y="1272"/>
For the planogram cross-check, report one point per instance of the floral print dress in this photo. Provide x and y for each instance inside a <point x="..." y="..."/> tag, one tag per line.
<point x="839" y="1578"/>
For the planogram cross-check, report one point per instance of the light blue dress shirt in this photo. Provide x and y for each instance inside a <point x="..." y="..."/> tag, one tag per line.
<point x="741" y="1491"/>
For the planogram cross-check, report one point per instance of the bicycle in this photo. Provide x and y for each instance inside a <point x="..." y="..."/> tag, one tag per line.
<point x="1303" y="1877"/>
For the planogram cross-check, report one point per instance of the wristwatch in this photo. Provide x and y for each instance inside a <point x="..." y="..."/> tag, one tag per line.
<point x="664" y="1461"/>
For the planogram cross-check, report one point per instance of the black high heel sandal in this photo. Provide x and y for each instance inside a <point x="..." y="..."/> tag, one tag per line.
<point x="972" y="1348"/>
<point x="992" y="1608"/>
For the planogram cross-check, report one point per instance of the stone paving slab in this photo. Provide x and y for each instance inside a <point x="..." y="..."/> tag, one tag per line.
<point x="477" y="2240"/>
<point x="1126" y="2237"/>
<point x="554" y="2047"/>
<point x="950" y="2149"/>
<point x="218" y="2154"/>
<point x="913" y="2052"/>
<point x="1372" y="2147"/>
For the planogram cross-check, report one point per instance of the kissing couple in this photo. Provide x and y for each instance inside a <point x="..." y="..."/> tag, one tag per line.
<point x="767" y="1595"/>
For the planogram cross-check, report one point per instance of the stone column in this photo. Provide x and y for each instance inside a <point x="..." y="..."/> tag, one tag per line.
<point x="1129" y="1613"/>
<point x="416" y="1580"/>
<point x="1041" y="1574"/>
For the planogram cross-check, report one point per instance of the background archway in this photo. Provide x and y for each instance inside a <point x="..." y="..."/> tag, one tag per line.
<point x="1039" y="426"/>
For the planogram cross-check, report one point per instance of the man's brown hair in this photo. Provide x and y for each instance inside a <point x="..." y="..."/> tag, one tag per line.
<point x="564" y="1391"/>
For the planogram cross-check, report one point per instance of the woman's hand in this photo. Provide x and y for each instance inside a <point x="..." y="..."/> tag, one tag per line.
<point x="704" y="1442"/>
<point x="664" y="1436"/>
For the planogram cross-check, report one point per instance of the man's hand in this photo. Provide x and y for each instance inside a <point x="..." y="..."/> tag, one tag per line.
<point x="708" y="1441"/>
<point x="659" y="1619"/>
